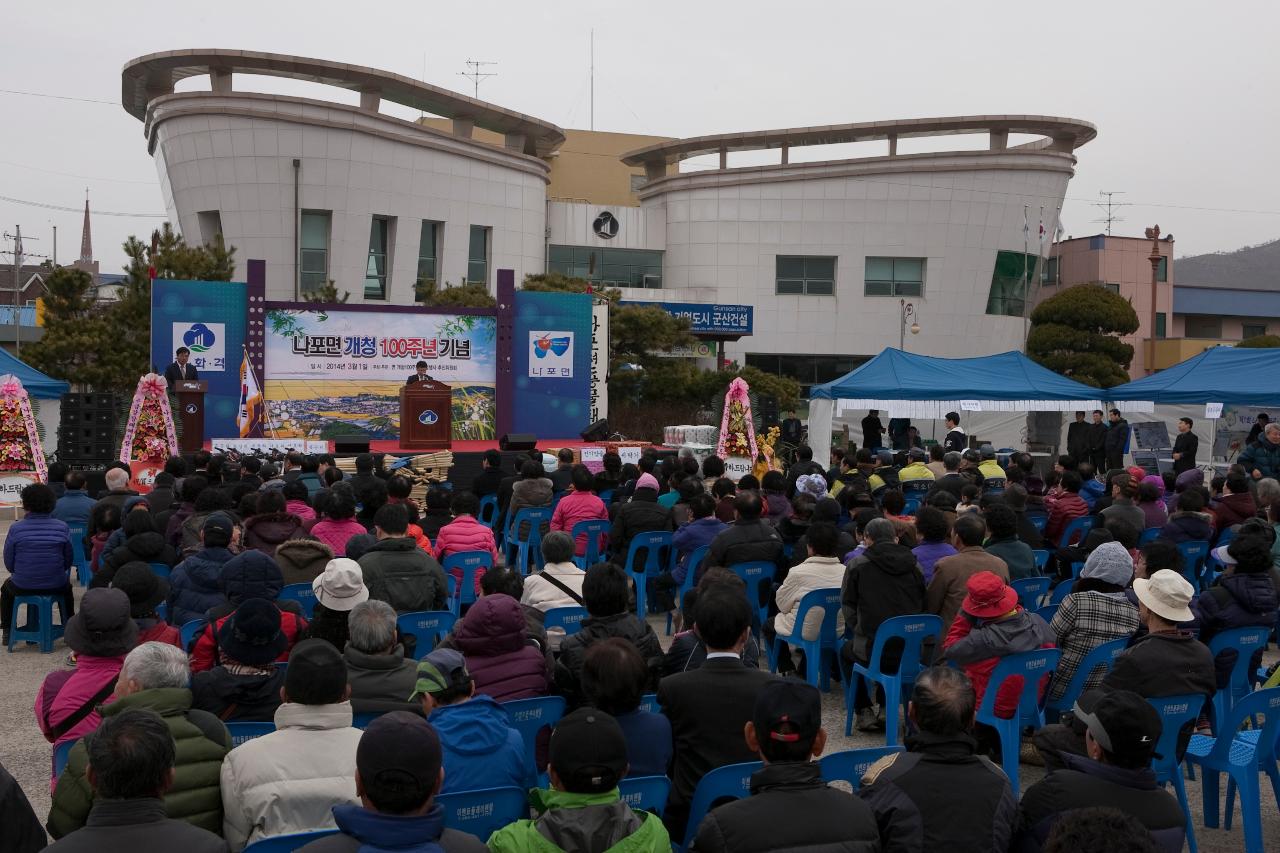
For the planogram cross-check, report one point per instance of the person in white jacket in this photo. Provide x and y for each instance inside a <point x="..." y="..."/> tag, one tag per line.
<point x="822" y="570"/>
<point x="559" y="584"/>
<point x="290" y="780"/>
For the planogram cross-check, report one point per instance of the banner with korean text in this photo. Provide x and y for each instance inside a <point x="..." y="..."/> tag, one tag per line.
<point x="338" y="372"/>
<point x="551" y="360"/>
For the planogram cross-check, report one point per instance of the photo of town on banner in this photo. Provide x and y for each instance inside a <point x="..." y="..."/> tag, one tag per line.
<point x="332" y="373"/>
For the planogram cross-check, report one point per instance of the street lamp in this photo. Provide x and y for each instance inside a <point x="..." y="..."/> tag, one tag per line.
<point x="908" y="310"/>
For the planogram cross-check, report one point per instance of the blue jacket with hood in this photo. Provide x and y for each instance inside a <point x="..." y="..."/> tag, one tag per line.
<point x="480" y="749"/>
<point x="194" y="586"/>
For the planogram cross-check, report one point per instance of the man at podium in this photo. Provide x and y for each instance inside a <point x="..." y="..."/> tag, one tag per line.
<point x="420" y="376"/>
<point x="179" y="369"/>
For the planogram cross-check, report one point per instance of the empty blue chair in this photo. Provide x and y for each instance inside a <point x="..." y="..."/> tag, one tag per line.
<point x="606" y="496"/>
<point x="39" y="626"/>
<point x="1103" y="655"/>
<point x="482" y="813"/>
<point x="426" y="627"/>
<point x="659" y="553"/>
<point x="1030" y="591"/>
<point x="1175" y="712"/>
<point x="815" y="651"/>
<point x="190" y="630"/>
<point x="1194" y="554"/>
<point x="61" y="753"/>
<point x="756" y="574"/>
<point x="488" y="514"/>
<point x="468" y="563"/>
<point x="1061" y="591"/>
<point x="528" y="717"/>
<point x="288" y="843"/>
<point x="649" y="702"/>
<point x="1031" y="667"/>
<point x="1151" y="534"/>
<point x="301" y="593"/>
<point x="1076" y="569"/>
<point x="646" y="793"/>
<point x="1042" y="559"/>
<point x="1242" y="758"/>
<point x="913" y="632"/>
<point x="79" y="532"/>
<point x="1048" y="612"/>
<point x="851" y="765"/>
<point x="245" y="732"/>
<point x="696" y="556"/>
<point x="1245" y="641"/>
<point x="596" y="531"/>
<point x="523" y="543"/>
<point x="1039" y="521"/>
<point x="567" y="619"/>
<point x="732" y="781"/>
<point x="1076" y="530"/>
<point x="161" y="570"/>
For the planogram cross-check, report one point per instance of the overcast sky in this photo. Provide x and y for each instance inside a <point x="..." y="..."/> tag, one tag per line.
<point x="1183" y="93"/>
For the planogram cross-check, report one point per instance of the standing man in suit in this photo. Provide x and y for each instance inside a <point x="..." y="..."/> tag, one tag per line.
<point x="1098" y="442"/>
<point x="710" y="706"/>
<point x="872" y="431"/>
<point x="180" y="370"/>
<point x="419" y="376"/>
<point x="1185" y="447"/>
<point x="1079" y="440"/>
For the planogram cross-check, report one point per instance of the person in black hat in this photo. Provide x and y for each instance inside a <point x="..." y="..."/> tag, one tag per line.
<point x="790" y="806"/>
<point x="582" y="811"/>
<point x="250" y="574"/>
<point x="1123" y="730"/>
<point x="289" y="780"/>
<point x="245" y="685"/>
<point x="146" y="590"/>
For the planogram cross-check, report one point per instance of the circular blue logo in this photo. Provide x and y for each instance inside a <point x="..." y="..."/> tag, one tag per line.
<point x="428" y="417"/>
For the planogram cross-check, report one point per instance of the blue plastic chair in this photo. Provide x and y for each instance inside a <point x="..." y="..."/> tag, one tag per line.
<point x="1039" y="521"/>
<point x="39" y="626"/>
<point x="1175" y="712"/>
<point x="696" y="556"/>
<point x="61" y="753"/>
<point x="649" y="702"/>
<point x="1076" y="569"/>
<point x="1061" y="591"/>
<point x="606" y="496"/>
<point x="646" y="793"/>
<point x="289" y="842"/>
<point x="732" y="781"/>
<point x="568" y="619"/>
<point x="1031" y="667"/>
<point x="522" y="549"/>
<point x="1151" y="534"/>
<point x="851" y="765"/>
<point x="467" y="562"/>
<point x="1042" y="559"/>
<point x="1194" y="554"/>
<point x="303" y="593"/>
<point x="161" y="570"/>
<point x="488" y="513"/>
<point x="245" y="732"/>
<point x="755" y="574"/>
<point x="1245" y="641"/>
<point x="1030" y="591"/>
<point x="595" y="530"/>
<point x="815" y="651"/>
<point x="530" y="716"/>
<point x="426" y="627"/>
<point x="482" y="813"/>
<point x="914" y="631"/>
<point x="1103" y="655"/>
<point x="1048" y="612"/>
<point x="1077" y="529"/>
<point x="909" y="506"/>
<point x="79" y="532"/>
<point x="659" y="553"/>
<point x="190" y="630"/>
<point x="1241" y="757"/>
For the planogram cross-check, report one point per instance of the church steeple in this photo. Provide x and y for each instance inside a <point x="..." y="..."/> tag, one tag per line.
<point x="86" y="237"/>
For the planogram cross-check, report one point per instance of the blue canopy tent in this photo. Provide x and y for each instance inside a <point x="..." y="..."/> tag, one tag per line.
<point x="38" y="385"/>
<point x="1241" y="377"/>
<point x="907" y="385"/>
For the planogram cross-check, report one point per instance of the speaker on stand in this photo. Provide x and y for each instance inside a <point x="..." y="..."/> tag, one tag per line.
<point x="518" y="441"/>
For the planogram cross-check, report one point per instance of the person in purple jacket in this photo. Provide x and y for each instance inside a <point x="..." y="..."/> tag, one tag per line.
<point x="931" y="524"/>
<point x="37" y="553"/>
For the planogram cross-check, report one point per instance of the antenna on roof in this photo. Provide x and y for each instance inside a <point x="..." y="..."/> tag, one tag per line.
<point x="1110" y="206"/>
<point x="475" y="74"/>
<point x="593" y="80"/>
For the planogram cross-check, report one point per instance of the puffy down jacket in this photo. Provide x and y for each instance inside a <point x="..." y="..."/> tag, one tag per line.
<point x="194" y="587"/>
<point x="37" y="552"/>
<point x="266" y="532"/>
<point x="503" y="663"/>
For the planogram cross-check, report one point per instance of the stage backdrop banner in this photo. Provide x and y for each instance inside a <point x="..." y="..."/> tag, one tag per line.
<point x="551" y="361"/>
<point x="338" y="372"/>
<point x="209" y="318"/>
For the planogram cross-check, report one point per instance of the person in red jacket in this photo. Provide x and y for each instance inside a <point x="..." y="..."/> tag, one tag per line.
<point x="1065" y="508"/>
<point x="990" y="625"/>
<point x="581" y="504"/>
<point x="465" y="533"/>
<point x="146" y="590"/>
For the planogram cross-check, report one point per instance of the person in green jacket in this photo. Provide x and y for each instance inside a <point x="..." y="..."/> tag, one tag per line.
<point x="155" y="676"/>
<point x="583" y="811"/>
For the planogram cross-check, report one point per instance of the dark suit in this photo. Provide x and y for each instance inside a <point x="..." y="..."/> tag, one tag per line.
<point x="1186" y="444"/>
<point x="414" y="379"/>
<point x="708" y="708"/>
<point x="1080" y="441"/>
<point x="175" y="373"/>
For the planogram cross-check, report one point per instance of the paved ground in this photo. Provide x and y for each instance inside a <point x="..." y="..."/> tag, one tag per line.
<point x="26" y="754"/>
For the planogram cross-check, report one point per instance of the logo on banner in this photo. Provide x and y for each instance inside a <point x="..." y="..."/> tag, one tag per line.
<point x="606" y="226"/>
<point x="207" y="342"/>
<point x="428" y="417"/>
<point x="192" y="408"/>
<point x="552" y="355"/>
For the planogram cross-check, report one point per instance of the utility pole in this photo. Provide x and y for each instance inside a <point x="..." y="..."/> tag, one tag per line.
<point x="1109" y="207"/>
<point x="18" y="256"/>
<point x="475" y="74"/>
<point x="1154" y="234"/>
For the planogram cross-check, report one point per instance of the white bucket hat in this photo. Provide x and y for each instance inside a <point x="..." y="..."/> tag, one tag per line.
<point x="341" y="585"/>
<point x="1166" y="594"/>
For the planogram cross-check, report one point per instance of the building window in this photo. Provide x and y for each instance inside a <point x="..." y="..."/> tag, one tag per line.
<point x="428" y="250"/>
<point x="375" y="272"/>
<point x="610" y="267"/>
<point x="894" y="277"/>
<point x="1050" y="275"/>
<point x="1160" y="327"/>
<point x="313" y="251"/>
<point x="478" y="255"/>
<point x="1252" y="330"/>
<point x="807" y="275"/>
<point x="1114" y="288"/>
<point x="808" y="370"/>
<point x="1202" y="327"/>
<point x="1008" y="283"/>
<point x="210" y="226"/>
<point x="1162" y="269"/>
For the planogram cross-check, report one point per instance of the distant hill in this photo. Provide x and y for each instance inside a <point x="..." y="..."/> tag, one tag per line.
<point x="1250" y="268"/>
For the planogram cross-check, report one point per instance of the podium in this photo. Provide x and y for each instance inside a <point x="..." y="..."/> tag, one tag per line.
<point x="426" y="416"/>
<point x="190" y="393"/>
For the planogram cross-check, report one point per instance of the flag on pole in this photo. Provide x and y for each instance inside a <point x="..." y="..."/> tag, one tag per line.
<point x="249" y="418"/>
<point x="1026" y="227"/>
<point x="1042" y="228"/>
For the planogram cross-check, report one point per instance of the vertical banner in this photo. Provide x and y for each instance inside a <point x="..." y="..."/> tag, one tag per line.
<point x="209" y="318"/>
<point x="599" y="362"/>
<point x="551" y="363"/>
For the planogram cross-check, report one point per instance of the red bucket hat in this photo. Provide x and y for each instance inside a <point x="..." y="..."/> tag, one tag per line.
<point x="988" y="596"/>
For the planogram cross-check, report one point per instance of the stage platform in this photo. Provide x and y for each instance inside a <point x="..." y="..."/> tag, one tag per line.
<point x="550" y="445"/>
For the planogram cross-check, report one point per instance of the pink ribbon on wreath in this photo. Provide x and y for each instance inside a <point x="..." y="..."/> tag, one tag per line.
<point x="738" y="393"/>
<point x="154" y="385"/>
<point x="12" y="388"/>
<point x="150" y="385"/>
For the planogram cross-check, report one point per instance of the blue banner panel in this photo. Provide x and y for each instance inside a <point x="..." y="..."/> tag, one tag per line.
<point x="209" y="318"/>
<point x="551" y="361"/>
<point x="712" y="320"/>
